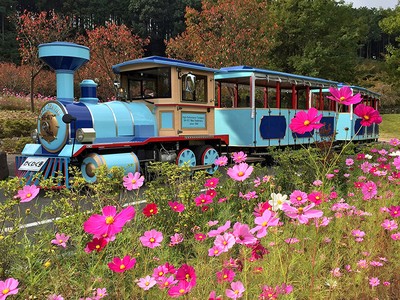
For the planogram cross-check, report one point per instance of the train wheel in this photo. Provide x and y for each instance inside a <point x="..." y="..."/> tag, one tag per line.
<point x="206" y="155"/>
<point x="186" y="156"/>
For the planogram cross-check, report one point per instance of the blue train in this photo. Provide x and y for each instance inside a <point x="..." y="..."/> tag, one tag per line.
<point x="174" y="111"/>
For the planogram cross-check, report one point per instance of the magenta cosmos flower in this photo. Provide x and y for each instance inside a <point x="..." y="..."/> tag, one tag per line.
<point x="60" y="240"/>
<point x="121" y="265"/>
<point x="176" y="206"/>
<point x="211" y="182"/>
<point x="225" y="275"/>
<point x="55" y="297"/>
<point x="151" y="238"/>
<point x="369" y="190"/>
<point x="303" y="214"/>
<point x="110" y="223"/>
<point x="8" y="287"/>
<point x="367" y="114"/>
<point x="133" y="181"/>
<point x="28" y="193"/>
<point x="186" y="273"/>
<point x="306" y="121"/>
<point x="203" y="199"/>
<point x="240" y="172"/>
<point x="344" y="95"/>
<point x="242" y="234"/>
<point x="236" y="290"/>
<point x="239" y="157"/>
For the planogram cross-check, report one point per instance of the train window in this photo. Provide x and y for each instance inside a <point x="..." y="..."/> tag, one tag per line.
<point x="243" y="96"/>
<point x="194" y="92"/>
<point x="302" y="99"/>
<point x="286" y="98"/>
<point x="271" y="97"/>
<point x="227" y="94"/>
<point x="149" y="83"/>
<point x="259" y="97"/>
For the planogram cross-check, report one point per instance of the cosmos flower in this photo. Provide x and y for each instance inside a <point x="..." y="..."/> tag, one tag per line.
<point x="8" y="287"/>
<point x="374" y="281"/>
<point x="213" y="296"/>
<point x="150" y="209"/>
<point x="176" y="206"/>
<point x="186" y="273"/>
<point x="240" y="172"/>
<point x="110" y="223"/>
<point x="267" y="219"/>
<point x="176" y="239"/>
<point x="183" y="287"/>
<point x="28" y="193"/>
<point x="97" y="244"/>
<point x="303" y="214"/>
<point x="367" y="114"/>
<point x="220" y="229"/>
<point x="239" y="157"/>
<point x="203" y="199"/>
<point x="225" y="275"/>
<point x="369" y="190"/>
<point x="133" y="181"/>
<point x="200" y="236"/>
<point x="146" y="283"/>
<point x="277" y="201"/>
<point x="389" y="225"/>
<point x="298" y="197"/>
<point x="211" y="182"/>
<point x="121" y="265"/>
<point x="60" y="240"/>
<point x="236" y="290"/>
<point x="344" y="95"/>
<point x="225" y="241"/>
<point x="306" y="121"/>
<point x="55" y="297"/>
<point x="394" y="211"/>
<point x="221" y="161"/>
<point x="151" y="238"/>
<point x="242" y="234"/>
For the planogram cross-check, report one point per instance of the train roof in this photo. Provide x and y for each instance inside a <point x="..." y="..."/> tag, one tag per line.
<point x="243" y="71"/>
<point x="359" y="89"/>
<point x="163" y="61"/>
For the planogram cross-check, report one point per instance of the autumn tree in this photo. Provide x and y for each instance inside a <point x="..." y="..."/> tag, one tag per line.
<point x="109" y="45"/>
<point x="35" y="29"/>
<point x="226" y="32"/>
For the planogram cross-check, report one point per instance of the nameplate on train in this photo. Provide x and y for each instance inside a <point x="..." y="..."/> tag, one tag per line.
<point x="33" y="164"/>
<point x="194" y="120"/>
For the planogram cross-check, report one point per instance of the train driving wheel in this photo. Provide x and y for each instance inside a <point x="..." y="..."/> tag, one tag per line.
<point x="186" y="156"/>
<point x="206" y="155"/>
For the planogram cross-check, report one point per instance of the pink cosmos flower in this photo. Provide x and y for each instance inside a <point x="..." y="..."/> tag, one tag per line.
<point x="203" y="199"/>
<point x="394" y="142"/>
<point x="389" y="225"/>
<point x="215" y="251"/>
<point x="176" y="239"/>
<point x="225" y="241"/>
<point x="60" y="240"/>
<point x="221" y="161"/>
<point x="160" y="272"/>
<point x="151" y="238"/>
<point x="315" y="197"/>
<point x="121" y="265"/>
<point x="396" y="163"/>
<point x="100" y="293"/>
<point x="239" y="157"/>
<point x="220" y="229"/>
<point x="317" y="182"/>
<point x="28" y="193"/>
<point x="225" y="275"/>
<point x="97" y="244"/>
<point x="298" y="197"/>
<point x="240" y="172"/>
<point x="306" y="121"/>
<point x="344" y="95"/>
<point x="110" y="223"/>
<point x="303" y="214"/>
<point x="133" y="181"/>
<point x="349" y="162"/>
<point x="183" y="287"/>
<point x="147" y="282"/>
<point x="267" y="219"/>
<point x="236" y="290"/>
<point x="394" y="211"/>
<point x="242" y="234"/>
<point x="55" y="297"/>
<point x="166" y="282"/>
<point x="261" y="207"/>
<point x="369" y="190"/>
<point x="213" y="296"/>
<point x="362" y="264"/>
<point x="211" y="182"/>
<point x="249" y="195"/>
<point x="176" y="206"/>
<point x="336" y="272"/>
<point x="367" y="114"/>
<point x="200" y="236"/>
<point x="292" y="240"/>
<point x="358" y="233"/>
<point x="395" y="236"/>
<point x="8" y="287"/>
<point x="374" y="281"/>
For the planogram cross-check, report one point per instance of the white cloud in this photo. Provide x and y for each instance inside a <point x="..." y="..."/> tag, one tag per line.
<point x="374" y="3"/>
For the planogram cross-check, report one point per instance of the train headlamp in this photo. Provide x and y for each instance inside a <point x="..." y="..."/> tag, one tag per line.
<point x="85" y="135"/>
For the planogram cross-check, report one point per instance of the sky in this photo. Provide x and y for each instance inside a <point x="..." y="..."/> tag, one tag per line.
<point x="373" y="3"/>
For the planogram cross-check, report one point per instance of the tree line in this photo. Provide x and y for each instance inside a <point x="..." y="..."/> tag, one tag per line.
<point x="321" y="38"/>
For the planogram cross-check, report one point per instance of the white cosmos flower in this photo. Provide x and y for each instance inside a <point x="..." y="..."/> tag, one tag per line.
<point x="397" y="153"/>
<point x="368" y="156"/>
<point x="277" y="201"/>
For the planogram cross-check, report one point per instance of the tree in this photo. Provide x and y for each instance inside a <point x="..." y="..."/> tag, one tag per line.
<point x="109" y="45"/>
<point x="227" y="32"/>
<point x="317" y="38"/>
<point x="159" y="20"/>
<point x="35" y="29"/>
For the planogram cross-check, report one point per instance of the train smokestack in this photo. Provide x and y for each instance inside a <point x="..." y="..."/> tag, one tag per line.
<point x="64" y="58"/>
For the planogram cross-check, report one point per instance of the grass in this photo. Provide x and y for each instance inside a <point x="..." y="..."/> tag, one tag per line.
<point x="390" y="127"/>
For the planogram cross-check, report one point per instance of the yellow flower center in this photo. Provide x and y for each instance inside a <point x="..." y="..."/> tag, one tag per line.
<point x="97" y="246"/>
<point x="299" y="198"/>
<point x="175" y="207"/>
<point x="109" y="220"/>
<point x="317" y="197"/>
<point x="166" y="283"/>
<point x="300" y="210"/>
<point x="133" y="181"/>
<point x="366" y="117"/>
<point x="236" y="292"/>
<point x="146" y="283"/>
<point x="121" y="267"/>
<point x="216" y="251"/>
<point x="225" y="276"/>
<point x="60" y="241"/>
<point x="28" y="195"/>
<point x="161" y="273"/>
<point x="181" y="291"/>
<point x="187" y="276"/>
<point x="265" y="223"/>
<point x="152" y="240"/>
<point x="202" y="200"/>
<point x="240" y="174"/>
<point x="306" y="122"/>
<point x="151" y="211"/>
<point x="5" y="291"/>
<point x="342" y="99"/>
<point x="224" y="242"/>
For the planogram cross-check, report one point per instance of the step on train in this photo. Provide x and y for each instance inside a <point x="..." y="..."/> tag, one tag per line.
<point x="175" y="111"/>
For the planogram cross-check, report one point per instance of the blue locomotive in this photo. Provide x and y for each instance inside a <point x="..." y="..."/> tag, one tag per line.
<point x="173" y="111"/>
